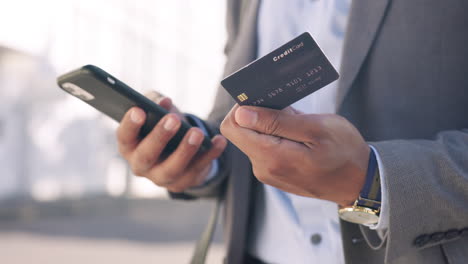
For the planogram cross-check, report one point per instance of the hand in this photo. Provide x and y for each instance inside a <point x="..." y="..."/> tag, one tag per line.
<point x="182" y="169"/>
<point x="321" y="156"/>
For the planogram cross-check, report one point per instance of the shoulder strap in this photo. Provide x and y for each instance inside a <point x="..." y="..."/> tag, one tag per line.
<point x="203" y="244"/>
<point x="239" y="10"/>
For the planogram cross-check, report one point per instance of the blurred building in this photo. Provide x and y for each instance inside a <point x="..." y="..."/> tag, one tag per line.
<point x="65" y="194"/>
<point x="54" y="146"/>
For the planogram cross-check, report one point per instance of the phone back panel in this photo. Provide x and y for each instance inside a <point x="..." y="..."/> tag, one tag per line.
<point x="114" y="98"/>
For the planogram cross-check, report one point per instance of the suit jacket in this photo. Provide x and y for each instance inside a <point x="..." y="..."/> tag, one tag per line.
<point x="404" y="85"/>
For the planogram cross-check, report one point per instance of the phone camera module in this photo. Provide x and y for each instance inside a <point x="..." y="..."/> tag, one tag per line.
<point x="77" y="91"/>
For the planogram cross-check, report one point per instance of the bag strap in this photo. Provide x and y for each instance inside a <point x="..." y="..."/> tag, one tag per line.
<point x="203" y="244"/>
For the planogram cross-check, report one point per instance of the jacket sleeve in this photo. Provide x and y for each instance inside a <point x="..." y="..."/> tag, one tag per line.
<point x="427" y="192"/>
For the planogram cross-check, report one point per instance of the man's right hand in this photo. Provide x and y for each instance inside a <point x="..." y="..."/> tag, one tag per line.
<point x="182" y="169"/>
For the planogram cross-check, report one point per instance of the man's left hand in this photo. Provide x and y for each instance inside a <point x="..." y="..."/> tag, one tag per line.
<point x="321" y="156"/>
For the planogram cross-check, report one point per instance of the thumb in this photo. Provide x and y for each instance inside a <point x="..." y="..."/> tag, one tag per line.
<point x="285" y="124"/>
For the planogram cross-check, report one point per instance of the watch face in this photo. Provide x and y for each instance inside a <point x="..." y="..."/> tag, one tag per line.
<point x="359" y="215"/>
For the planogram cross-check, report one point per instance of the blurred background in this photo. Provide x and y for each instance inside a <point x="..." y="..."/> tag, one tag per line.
<point x="66" y="196"/>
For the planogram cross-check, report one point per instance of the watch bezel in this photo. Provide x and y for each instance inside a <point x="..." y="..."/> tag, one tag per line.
<point x="359" y="215"/>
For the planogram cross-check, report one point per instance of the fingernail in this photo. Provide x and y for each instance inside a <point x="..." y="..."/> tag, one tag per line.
<point x="245" y="117"/>
<point x="135" y="117"/>
<point x="195" y="138"/>
<point x="170" y="124"/>
<point x="152" y="95"/>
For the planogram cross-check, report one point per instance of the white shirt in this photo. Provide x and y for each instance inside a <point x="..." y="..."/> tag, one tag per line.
<point x="288" y="228"/>
<point x="284" y="223"/>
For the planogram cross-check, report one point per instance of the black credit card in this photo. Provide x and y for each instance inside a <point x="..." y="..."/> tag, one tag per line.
<point x="282" y="77"/>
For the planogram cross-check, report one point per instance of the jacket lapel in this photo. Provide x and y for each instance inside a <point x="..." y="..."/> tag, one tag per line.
<point x="239" y="202"/>
<point x="364" y="23"/>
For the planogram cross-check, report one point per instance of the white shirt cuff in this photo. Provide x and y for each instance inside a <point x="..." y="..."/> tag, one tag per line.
<point x="382" y="225"/>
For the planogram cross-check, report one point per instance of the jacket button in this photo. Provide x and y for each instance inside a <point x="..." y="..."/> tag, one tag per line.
<point x="421" y="240"/>
<point x="436" y="237"/>
<point x="451" y="234"/>
<point x="316" y="239"/>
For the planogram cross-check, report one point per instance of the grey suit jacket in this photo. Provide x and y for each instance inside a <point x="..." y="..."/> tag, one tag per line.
<point x="404" y="85"/>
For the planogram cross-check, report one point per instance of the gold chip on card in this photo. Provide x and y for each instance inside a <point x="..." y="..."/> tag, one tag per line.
<point x="242" y="97"/>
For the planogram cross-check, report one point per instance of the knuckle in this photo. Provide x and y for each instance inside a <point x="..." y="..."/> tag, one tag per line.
<point x="328" y="121"/>
<point x="161" y="136"/>
<point x="272" y="143"/>
<point x="269" y="145"/>
<point x="257" y="173"/>
<point x="224" y="126"/>
<point x="176" y="189"/>
<point x="168" y="177"/>
<point x="273" y="125"/>
<point x="201" y="170"/>
<point x="337" y="117"/>
<point x="319" y="120"/>
<point x="275" y="169"/>
<point x="261" y="175"/>
<point x="121" y="137"/>
<point x="153" y="95"/>
<point x="124" y="143"/>
<point x="192" y="178"/>
<point x="185" y="153"/>
<point x="123" y="151"/>
<point x="137" y="171"/>
<point x="161" y="179"/>
<point x="144" y="159"/>
<point x="140" y="166"/>
<point x="199" y="179"/>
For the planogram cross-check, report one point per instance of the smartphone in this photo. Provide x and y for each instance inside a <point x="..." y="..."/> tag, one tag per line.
<point x="114" y="98"/>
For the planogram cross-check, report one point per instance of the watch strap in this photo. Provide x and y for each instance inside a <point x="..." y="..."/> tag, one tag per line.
<point x="371" y="193"/>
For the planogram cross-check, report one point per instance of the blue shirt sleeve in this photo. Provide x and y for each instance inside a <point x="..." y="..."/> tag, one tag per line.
<point x="215" y="163"/>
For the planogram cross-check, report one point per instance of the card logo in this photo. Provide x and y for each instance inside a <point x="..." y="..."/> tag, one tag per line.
<point x="242" y="97"/>
<point x="288" y="51"/>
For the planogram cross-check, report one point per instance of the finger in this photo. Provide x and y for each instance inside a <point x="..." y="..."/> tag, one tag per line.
<point x="173" y="167"/>
<point x="186" y="181"/>
<point x="200" y="166"/>
<point x="150" y="148"/>
<point x="219" y="144"/>
<point x="166" y="103"/>
<point x="127" y="132"/>
<point x="154" y="96"/>
<point x="163" y="101"/>
<point x="251" y="142"/>
<point x="178" y="161"/>
<point x="171" y="171"/>
<point x="297" y="127"/>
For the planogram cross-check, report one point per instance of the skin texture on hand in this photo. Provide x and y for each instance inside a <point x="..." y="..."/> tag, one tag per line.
<point x="182" y="169"/>
<point x="320" y="156"/>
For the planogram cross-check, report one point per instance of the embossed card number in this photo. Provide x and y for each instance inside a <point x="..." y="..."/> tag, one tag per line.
<point x="282" y="77"/>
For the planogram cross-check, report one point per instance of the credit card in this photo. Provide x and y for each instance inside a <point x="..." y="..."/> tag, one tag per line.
<point x="282" y="77"/>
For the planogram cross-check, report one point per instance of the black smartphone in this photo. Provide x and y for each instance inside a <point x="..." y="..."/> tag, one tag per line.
<point x="114" y="98"/>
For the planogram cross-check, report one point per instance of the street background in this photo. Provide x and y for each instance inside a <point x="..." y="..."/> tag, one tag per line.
<point x="65" y="193"/>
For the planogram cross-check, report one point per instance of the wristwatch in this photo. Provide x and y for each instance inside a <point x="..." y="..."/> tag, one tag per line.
<point x="366" y="209"/>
